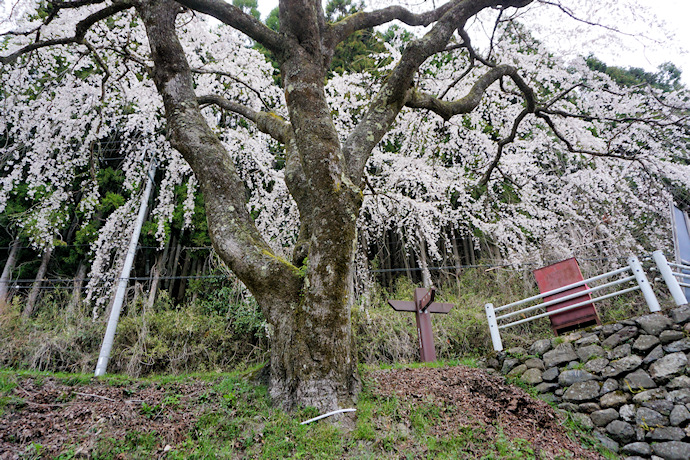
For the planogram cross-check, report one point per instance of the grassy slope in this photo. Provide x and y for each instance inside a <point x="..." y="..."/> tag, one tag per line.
<point x="232" y="418"/>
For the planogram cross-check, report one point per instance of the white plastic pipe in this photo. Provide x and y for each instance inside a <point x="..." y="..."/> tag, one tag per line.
<point x="683" y="266"/>
<point x="667" y="275"/>
<point x="645" y="287"/>
<point x="109" y="337"/>
<point x="493" y="327"/>
<point x="327" y="414"/>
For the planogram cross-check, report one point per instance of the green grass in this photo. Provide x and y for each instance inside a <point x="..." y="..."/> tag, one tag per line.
<point x="467" y="361"/>
<point x="7" y="383"/>
<point x="135" y="445"/>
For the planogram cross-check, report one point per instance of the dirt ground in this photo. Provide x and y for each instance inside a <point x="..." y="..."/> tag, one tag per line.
<point x="56" y="416"/>
<point x="487" y="399"/>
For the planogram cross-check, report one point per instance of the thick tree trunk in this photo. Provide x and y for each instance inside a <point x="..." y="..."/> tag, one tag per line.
<point x="7" y="273"/>
<point x="307" y="301"/>
<point x="30" y="306"/>
<point x="313" y="358"/>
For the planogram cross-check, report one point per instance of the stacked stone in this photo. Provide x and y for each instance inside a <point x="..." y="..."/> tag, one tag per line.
<point x="629" y="381"/>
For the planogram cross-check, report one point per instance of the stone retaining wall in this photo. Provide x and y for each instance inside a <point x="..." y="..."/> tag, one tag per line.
<point x="629" y="381"/>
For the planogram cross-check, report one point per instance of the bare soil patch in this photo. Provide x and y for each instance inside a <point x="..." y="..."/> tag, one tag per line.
<point x="60" y="417"/>
<point x="486" y="400"/>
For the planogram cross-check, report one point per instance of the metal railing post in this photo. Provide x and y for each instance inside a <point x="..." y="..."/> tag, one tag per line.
<point x="493" y="327"/>
<point x="669" y="278"/>
<point x="645" y="287"/>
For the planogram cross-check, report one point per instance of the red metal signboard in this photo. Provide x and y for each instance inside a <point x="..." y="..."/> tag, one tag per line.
<point x="562" y="274"/>
<point x="423" y="305"/>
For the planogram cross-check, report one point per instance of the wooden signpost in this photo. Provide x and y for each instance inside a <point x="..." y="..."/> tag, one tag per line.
<point x="423" y="305"/>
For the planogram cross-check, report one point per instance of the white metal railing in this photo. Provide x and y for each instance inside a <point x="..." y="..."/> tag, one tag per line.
<point x="671" y="278"/>
<point x="637" y="276"/>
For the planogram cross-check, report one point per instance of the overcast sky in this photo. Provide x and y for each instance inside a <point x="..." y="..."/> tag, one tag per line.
<point x="676" y="14"/>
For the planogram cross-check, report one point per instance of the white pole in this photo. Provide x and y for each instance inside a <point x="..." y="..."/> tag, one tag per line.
<point x="109" y="337"/>
<point x="493" y="327"/>
<point x="674" y="229"/>
<point x="645" y="287"/>
<point x="667" y="275"/>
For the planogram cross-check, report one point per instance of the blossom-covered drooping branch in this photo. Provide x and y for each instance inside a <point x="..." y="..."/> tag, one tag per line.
<point x="80" y="30"/>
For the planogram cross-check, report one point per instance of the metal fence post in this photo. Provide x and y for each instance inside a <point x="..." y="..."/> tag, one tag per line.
<point x="642" y="281"/>
<point x="669" y="278"/>
<point x="493" y="327"/>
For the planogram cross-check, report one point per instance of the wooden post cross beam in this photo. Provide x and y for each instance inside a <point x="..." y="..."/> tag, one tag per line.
<point x="423" y="305"/>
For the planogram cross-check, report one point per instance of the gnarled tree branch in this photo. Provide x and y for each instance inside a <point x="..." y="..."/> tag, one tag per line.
<point x="646" y="120"/>
<point x="569" y="145"/>
<point x="267" y="122"/>
<point x="365" y="20"/>
<point x="238" y="19"/>
<point x="233" y="78"/>
<point x="280" y="130"/>
<point x="448" y="109"/>
<point x="231" y="227"/>
<point x="56" y="7"/>
<point x="392" y="96"/>
<point x="501" y="145"/>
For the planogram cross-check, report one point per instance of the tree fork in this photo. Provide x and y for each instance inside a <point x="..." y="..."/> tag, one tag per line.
<point x="308" y="308"/>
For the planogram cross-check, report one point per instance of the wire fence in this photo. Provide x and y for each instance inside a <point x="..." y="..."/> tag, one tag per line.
<point x="526" y="265"/>
<point x="70" y="283"/>
<point x="28" y="283"/>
